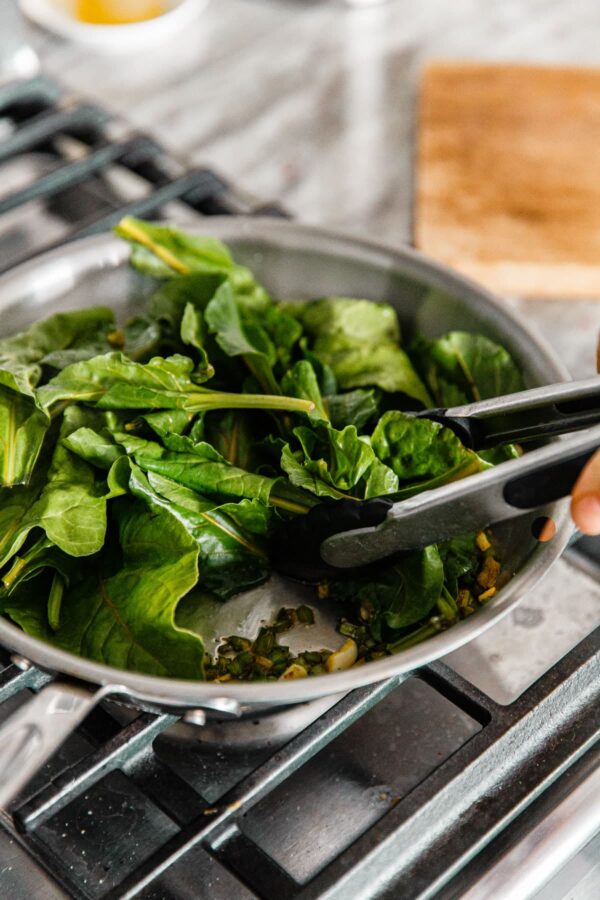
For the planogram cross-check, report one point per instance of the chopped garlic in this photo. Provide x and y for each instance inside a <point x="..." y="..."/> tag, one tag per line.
<point x="264" y="662"/>
<point x="489" y="573"/>
<point x="293" y="671"/>
<point x="344" y="657"/>
<point x="482" y="541"/>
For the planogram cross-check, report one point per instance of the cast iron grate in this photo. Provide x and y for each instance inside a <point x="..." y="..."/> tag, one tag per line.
<point x="155" y="831"/>
<point x="80" y="144"/>
<point x="504" y="764"/>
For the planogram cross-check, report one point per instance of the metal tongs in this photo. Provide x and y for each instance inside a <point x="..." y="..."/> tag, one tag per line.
<point x="350" y="534"/>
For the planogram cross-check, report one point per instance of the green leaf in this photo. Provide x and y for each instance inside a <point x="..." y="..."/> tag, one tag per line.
<point x="422" y="453"/>
<point x="23" y="427"/>
<point x="169" y="251"/>
<point x="330" y="463"/>
<point x="23" y="424"/>
<point x="202" y="469"/>
<point x="380" y="480"/>
<point x="413" y="588"/>
<point x="461" y="368"/>
<point x="164" y="252"/>
<point x="139" y="339"/>
<point x="344" y="318"/>
<point x="143" y="338"/>
<point x="29" y="350"/>
<point x="301" y="381"/>
<point x="193" y="334"/>
<point x="42" y="555"/>
<point x="302" y="477"/>
<point x="251" y="515"/>
<point x="495" y="455"/>
<point x="167" y="305"/>
<point x="96" y="447"/>
<point x="325" y="377"/>
<point x="176" y="310"/>
<point x="71" y="507"/>
<point x="230" y="433"/>
<point x="126" y="618"/>
<point x="230" y="538"/>
<point x="385" y="366"/>
<point x="359" y="340"/>
<point x="284" y="330"/>
<point x="68" y="502"/>
<point x="113" y="381"/>
<point x="352" y="408"/>
<point x="399" y="596"/>
<point x="238" y="338"/>
<point x="15" y="506"/>
<point x="167" y="421"/>
<point x="460" y="557"/>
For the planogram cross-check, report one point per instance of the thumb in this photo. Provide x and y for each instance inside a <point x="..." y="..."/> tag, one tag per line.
<point x="585" y="501"/>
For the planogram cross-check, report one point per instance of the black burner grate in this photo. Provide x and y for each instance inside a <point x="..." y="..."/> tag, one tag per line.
<point x="121" y="811"/>
<point x="80" y="144"/>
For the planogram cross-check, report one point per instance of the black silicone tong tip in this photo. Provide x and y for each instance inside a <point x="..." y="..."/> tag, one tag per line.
<point x="296" y="548"/>
<point x="468" y="430"/>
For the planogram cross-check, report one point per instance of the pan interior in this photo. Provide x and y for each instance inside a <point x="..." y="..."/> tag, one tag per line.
<point x="427" y="300"/>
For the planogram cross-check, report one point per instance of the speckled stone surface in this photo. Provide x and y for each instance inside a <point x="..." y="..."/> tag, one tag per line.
<point x="313" y="104"/>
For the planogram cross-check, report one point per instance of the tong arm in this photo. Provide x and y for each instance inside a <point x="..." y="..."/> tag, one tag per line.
<point x="524" y="416"/>
<point x="503" y="492"/>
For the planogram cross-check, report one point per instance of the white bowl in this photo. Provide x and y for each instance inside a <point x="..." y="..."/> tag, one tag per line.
<point x="55" y="16"/>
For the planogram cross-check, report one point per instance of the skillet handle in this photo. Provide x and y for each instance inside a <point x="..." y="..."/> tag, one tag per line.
<point x="32" y="734"/>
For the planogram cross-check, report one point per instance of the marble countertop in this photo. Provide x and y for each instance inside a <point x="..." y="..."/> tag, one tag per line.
<point x="312" y="103"/>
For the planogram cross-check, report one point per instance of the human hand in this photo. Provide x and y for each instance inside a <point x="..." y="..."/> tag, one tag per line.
<point x="585" y="499"/>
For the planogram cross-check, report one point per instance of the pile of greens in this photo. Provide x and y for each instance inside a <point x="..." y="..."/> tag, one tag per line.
<point x="142" y="461"/>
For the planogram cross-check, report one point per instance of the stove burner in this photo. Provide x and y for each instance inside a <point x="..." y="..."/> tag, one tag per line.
<point x="401" y="789"/>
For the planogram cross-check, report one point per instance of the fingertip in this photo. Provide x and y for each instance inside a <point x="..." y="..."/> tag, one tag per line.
<point x="586" y="513"/>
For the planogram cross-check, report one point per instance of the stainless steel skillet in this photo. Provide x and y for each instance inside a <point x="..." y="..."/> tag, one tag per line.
<point x="293" y="261"/>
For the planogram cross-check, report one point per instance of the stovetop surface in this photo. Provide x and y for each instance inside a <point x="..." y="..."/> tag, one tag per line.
<point x="415" y="762"/>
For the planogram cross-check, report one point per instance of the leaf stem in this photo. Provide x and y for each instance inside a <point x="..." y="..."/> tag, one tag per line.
<point x="221" y="400"/>
<point x="21" y="562"/>
<point x="55" y="601"/>
<point x="266" y="380"/>
<point x="447" y="605"/>
<point x="57" y="407"/>
<point x="13" y="573"/>
<point x="421" y="634"/>
<point x="128" y="228"/>
<point x="288" y="505"/>
<point x="446" y="610"/>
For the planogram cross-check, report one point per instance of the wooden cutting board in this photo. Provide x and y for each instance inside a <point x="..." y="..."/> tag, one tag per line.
<point x="508" y="176"/>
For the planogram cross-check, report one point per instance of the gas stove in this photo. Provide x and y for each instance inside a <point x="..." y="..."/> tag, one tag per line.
<point x="477" y="776"/>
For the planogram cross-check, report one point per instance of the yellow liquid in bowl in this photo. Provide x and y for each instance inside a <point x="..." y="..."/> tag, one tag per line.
<point x="118" y="12"/>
